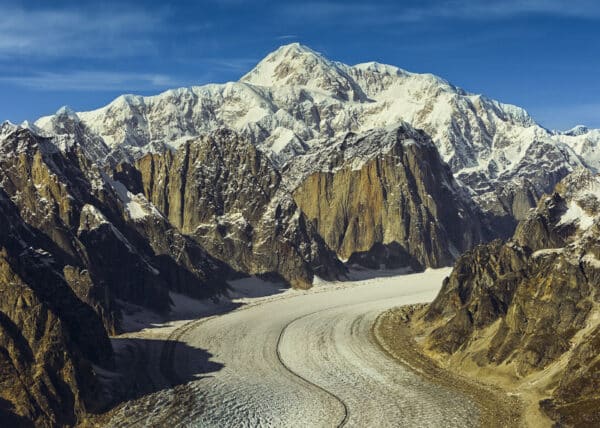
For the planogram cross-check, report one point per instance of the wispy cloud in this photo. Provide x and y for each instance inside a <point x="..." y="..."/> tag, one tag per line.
<point x="286" y="37"/>
<point x="369" y="13"/>
<point x="92" y="81"/>
<point x="509" y="8"/>
<point x="44" y="33"/>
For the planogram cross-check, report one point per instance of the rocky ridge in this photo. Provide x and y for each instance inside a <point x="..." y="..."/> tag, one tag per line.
<point x="49" y="337"/>
<point x="528" y="308"/>
<point x="227" y="196"/>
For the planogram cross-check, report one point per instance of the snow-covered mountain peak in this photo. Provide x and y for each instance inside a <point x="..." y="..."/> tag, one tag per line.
<point x="6" y="129"/>
<point x="577" y="131"/>
<point x="63" y="116"/>
<point x="128" y="100"/>
<point x="300" y="66"/>
<point x="50" y="124"/>
<point x="278" y="66"/>
<point x="67" y="112"/>
<point x="377" y="67"/>
<point x="294" y="48"/>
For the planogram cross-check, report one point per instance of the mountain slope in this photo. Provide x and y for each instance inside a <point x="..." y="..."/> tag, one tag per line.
<point x="49" y="336"/>
<point x="95" y="225"/>
<point x="528" y="308"/>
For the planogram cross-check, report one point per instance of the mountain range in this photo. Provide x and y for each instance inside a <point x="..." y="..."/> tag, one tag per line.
<point x="303" y="167"/>
<point x="295" y="101"/>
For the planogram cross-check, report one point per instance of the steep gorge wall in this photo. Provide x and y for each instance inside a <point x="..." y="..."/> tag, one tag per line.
<point x="48" y="335"/>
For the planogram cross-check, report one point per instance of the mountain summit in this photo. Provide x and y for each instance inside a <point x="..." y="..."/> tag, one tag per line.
<point x="299" y="66"/>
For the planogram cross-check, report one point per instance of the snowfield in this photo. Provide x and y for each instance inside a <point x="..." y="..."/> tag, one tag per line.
<point x="297" y="358"/>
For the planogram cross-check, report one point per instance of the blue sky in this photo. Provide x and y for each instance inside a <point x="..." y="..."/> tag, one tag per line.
<point x="543" y="55"/>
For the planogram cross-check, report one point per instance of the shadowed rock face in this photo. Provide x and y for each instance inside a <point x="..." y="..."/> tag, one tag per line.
<point x="48" y="335"/>
<point x="222" y="192"/>
<point x="73" y="243"/>
<point x="114" y="243"/>
<point x="534" y="299"/>
<point x="402" y="197"/>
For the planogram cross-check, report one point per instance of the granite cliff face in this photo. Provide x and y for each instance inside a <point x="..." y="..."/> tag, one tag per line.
<point x="227" y="196"/>
<point x="530" y="307"/>
<point x="382" y="198"/>
<point x="394" y="206"/>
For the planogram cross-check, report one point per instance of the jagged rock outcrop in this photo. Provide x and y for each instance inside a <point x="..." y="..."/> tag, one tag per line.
<point x="49" y="337"/>
<point x="117" y="244"/>
<point x="74" y="245"/>
<point x="387" y="198"/>
<point x="226" y="195"/>
<point x="533" y="303"/>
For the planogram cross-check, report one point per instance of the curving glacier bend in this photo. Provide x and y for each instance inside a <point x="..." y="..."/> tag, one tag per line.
<point x="304" y="358"/>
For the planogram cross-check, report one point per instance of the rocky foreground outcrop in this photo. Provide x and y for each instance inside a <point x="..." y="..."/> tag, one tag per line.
<point x="529" y="308"/>
<point x="74" y="245"/>
<point x="49" y="337"/>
